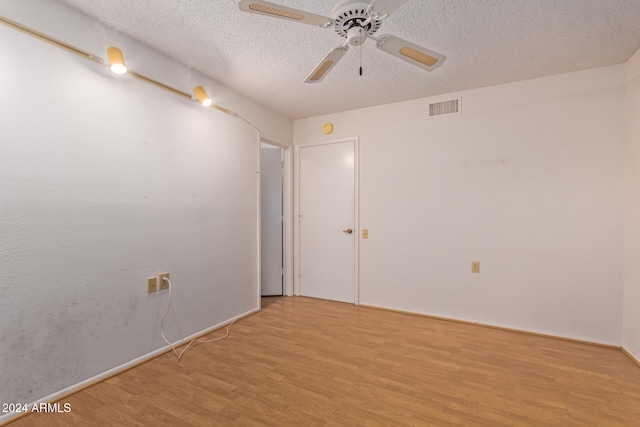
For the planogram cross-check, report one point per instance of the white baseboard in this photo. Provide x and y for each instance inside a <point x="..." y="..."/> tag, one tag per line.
<point x="631" y="356"/>
<point x="532" y="331"/>
<point x="6" y="418"/>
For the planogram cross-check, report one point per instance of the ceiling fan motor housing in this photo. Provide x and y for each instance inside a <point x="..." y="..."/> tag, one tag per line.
<point x="350" y="14"/>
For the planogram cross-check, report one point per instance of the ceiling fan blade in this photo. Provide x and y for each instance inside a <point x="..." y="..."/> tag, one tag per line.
<point x="327" y="64"/>
<point x="277" y="11"/>
<point x="387" y="7"/>
<point x="410" y="52"/>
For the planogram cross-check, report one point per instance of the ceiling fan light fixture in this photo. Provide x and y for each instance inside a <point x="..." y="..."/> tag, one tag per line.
<point x="270" y="10"/>
<point x="422" y="58"/>
<point x="202" y="96"/>
<point x="321" y="71"/>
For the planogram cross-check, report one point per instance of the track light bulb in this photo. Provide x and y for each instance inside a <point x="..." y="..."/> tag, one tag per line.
<point x="202" y="96"/>
<point x="116" y="60"/>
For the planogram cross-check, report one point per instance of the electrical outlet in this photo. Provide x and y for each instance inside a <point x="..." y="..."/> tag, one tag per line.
<point x="152" y="284"/>
<point x="163" y="284"/>
<point x="365" y="233"/>
<point x="475" y="266"/>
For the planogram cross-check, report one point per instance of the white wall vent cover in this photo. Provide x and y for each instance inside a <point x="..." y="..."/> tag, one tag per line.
<point x="445" y="108"/>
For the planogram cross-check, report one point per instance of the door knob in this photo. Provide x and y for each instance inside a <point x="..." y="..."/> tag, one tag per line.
<point x="348" y="231"/>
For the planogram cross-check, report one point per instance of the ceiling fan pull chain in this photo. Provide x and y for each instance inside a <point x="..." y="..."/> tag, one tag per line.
<point x="360" y="59"/>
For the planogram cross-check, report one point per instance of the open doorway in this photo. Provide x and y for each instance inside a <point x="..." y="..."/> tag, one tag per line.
<point x="271" y="220"/>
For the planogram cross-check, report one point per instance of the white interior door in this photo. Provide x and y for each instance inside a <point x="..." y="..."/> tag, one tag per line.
<point x="271" y="220"/>
<point x="327" y="213"/>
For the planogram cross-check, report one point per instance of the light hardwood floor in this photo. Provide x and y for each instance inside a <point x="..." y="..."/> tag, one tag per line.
<point x="306" y="362"/>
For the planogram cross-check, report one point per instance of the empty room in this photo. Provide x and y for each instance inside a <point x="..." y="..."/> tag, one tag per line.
<point x="320" y="213"/>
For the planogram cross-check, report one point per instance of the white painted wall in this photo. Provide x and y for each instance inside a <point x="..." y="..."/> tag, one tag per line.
<point x="528" y="181"/>
<point x="105" y="181"/>
<point x="631" y="322"/>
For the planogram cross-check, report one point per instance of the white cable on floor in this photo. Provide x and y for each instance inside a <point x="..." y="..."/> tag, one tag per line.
<point x="165" y="316"/>
<point x="195" y="340"/>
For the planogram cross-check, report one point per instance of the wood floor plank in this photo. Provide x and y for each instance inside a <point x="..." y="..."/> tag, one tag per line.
<point x="307" y="362"/>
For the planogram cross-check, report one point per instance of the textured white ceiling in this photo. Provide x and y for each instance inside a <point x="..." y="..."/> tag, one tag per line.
<point x="487" y="42"/>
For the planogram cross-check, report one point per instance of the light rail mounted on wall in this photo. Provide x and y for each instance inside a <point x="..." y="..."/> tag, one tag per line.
<point x="117" y="65"/>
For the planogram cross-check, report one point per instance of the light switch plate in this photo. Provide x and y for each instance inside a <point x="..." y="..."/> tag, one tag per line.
<point x="475" y="266"/>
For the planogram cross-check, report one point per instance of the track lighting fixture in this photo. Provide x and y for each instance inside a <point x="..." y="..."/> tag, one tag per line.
<point x="202" y="96"/>
<point x="116" y="63"/>
<point x="116" y="60"/>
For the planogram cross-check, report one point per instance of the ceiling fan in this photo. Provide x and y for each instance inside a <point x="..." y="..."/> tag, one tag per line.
<point x="355" y="20"/>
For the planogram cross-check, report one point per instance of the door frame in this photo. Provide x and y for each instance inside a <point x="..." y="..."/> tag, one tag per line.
<point x="356" y="212"/>
<point x="287" y="212"/>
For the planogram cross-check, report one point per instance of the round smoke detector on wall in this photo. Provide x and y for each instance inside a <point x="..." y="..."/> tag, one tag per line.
<point x="327" y="128"/>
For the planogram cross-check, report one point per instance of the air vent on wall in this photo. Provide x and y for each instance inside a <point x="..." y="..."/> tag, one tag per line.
<point x="445" y="108"/>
